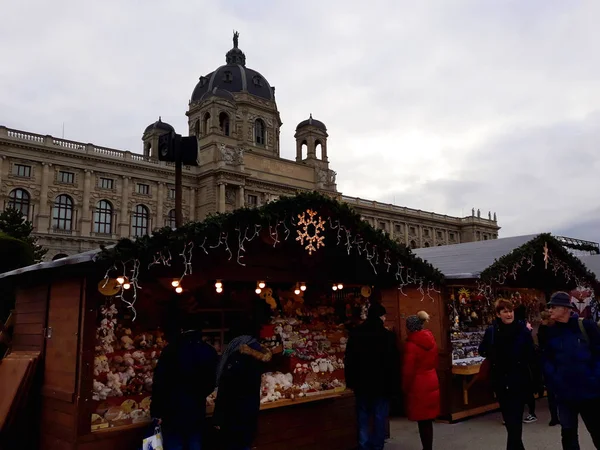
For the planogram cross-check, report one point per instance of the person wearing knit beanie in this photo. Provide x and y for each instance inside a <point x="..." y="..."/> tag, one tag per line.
<point x="419" y="377"/>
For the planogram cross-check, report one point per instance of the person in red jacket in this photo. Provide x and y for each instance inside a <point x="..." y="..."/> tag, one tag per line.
<point x="419" y="377"/>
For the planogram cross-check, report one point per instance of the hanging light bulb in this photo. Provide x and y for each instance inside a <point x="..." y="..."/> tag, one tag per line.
<point x="303" y="287"/>
<point x="258" y="290"/>
<point x="219" y="290"/>
<point x="340" y="286"/>
<point x="120" y="280"/>
<point x="126" y="285"/>
<point x="297" y="290"/>
<point x="218" y="284"/>
<point x="261" y="284"/>
<point x="179" y="289"/>
<point x="334" y="287"/>
<point x="175" y="283"/>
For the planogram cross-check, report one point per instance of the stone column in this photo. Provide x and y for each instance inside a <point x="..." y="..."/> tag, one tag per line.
<point x="241" y="201"/>
<point x="221" y="198"/>
<point x="160" y="220"/>
<point x="85" y="209"/>
<point x="192" y="204"/>
<point x="124" y="223"/>
<point x="299" y="150"/>
<point x="43" y="217"/>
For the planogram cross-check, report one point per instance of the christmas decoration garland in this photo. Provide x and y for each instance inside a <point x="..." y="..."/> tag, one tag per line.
<point x="311" y="217"/>
<point x="542" y="263"/>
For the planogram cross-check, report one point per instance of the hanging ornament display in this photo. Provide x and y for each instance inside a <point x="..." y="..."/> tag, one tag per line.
<point x="546" y="255"/>
<point x="309" y="229"/>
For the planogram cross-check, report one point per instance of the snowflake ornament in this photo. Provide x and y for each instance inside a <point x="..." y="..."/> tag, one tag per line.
<point x="311" y="239"/>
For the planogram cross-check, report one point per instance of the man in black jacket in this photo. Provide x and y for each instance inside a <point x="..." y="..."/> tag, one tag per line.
<point x="372" y="372"/>
<point x="184" y="376"/>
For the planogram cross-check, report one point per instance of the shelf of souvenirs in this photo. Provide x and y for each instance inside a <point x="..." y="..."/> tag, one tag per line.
<point x="277" y="390"/>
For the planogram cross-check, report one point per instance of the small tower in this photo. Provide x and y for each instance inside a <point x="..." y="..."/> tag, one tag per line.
<point x="151" y="135"/>
<point x="313" y="134"/>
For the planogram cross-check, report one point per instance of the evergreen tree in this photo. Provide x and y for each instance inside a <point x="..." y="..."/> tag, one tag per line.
<point x="14" y="224"/>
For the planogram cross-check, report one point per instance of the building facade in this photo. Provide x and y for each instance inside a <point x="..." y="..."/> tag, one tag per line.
<point x="80" y="195"/>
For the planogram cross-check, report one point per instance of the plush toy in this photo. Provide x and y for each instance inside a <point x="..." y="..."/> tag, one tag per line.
<point x="127" y="342"/>
<point x="114" y="383"/>
<point x="100" y="391"/>
<point x="128" y="359"/>
<point x="139" y="358"/>
<point x="100" y="365"/>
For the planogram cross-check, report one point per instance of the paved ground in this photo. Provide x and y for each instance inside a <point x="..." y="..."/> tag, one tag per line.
<point x="484" y="433"/>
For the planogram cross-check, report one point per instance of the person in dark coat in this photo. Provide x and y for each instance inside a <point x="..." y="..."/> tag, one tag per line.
<point x="238" y="393"/>
<point x="371" y="368"/>
<point x="183" y="378"/>
<point x="419" y="377"/>
<point x="509" y="347"/>
<point x="542" y="336"/>
<point x="572" y="369"/>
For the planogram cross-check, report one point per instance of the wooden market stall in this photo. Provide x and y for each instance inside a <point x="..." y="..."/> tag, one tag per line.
<point x="525" y="269"/>
<point x="305" y="267"/>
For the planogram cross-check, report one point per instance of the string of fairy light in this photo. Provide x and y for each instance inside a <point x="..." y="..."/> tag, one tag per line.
<point x="309" y="234"/>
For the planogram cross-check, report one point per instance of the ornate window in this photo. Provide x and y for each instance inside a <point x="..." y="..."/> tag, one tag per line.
<point x="260" y="132"/>
<point x="206" y="122"/>
<point x="107" y="183"/>
<point x="62" y="213"/>
<point x="103" y="217"/>
<point x="21" y="170"/>
<point x="413" y="244"/>
<point x="252" y="201"/>
<point x="140" y="221"/>
<point x="143" y="189"/>
<point x="227" y="76"/>
<point x="257" y="80"/>
<point x="66" y="177"/>
<point x="224" y="123"/>
<point x="20" y="200"/>
<point x="172" y="219"/>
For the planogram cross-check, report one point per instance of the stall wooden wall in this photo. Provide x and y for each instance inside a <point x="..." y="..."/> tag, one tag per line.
<point x="48" y="321"/>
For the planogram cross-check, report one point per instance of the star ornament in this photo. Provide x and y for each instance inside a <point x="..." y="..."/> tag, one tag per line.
<point x="309" y="229"/>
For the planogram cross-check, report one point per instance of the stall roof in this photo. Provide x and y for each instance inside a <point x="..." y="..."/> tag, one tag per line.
<point x="68" y="261"/>
<point x="468" y="260"/>
<point x="592" y="262"/>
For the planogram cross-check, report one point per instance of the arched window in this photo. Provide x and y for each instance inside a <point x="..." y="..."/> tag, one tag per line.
<point x="197" y="128"/>
<point x="206" y="123"/>
<point x="224" y="123"/>
<point x="20" y="200"/>
<point x="140" y="221"/>
<point x="172" y="219"/>
<point x="426" y="244"/>
<point x="62" y="213"/>
<point x="103" y="217"/>
<point x="59" y="256"/>
<point x="413" y="244"/>
<point x="259" y="132"/>
<point x="304" y="149"/>
<point x="319" y="150"/>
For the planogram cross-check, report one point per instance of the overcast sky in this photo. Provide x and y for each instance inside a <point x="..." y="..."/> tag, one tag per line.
<point x="438" y="105"/>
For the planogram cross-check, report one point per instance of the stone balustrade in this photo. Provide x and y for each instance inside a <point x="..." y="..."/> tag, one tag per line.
<point x="81" y="148"/>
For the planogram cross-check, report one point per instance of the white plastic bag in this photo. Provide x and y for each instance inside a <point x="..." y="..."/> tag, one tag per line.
<point x="154" y="442"/>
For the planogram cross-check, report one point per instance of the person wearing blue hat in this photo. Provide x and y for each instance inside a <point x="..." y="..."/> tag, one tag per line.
<point x="572" y="369"/>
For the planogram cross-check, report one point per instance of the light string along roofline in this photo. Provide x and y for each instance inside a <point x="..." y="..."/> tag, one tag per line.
<point x="310" y="229"/>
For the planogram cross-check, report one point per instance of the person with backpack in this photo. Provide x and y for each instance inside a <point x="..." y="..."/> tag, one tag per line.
<point x="572" y="369"/>
<point x="508" y="345"/>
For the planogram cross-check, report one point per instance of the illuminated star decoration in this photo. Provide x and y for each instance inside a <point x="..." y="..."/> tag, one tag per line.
<point x="546" y="254"/>
<point x="314" y="241"/>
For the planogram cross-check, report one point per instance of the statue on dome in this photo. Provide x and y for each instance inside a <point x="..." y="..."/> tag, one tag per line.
<point x="236" y="36"/>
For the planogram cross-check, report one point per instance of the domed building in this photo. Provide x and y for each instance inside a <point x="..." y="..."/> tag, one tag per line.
<point x="80" y="195"/>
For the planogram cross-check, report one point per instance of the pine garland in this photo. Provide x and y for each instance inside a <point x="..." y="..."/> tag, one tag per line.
<point x="283" y="214"/>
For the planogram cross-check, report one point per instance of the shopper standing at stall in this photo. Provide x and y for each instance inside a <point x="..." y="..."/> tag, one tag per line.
<point x="183" y="378"/>
<point x="509" y="347"/>
<point x="238" y="396"/>
<point x="572" y="368"/>
<point x="419" y="377"/>
<point x="371" y="366"/>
